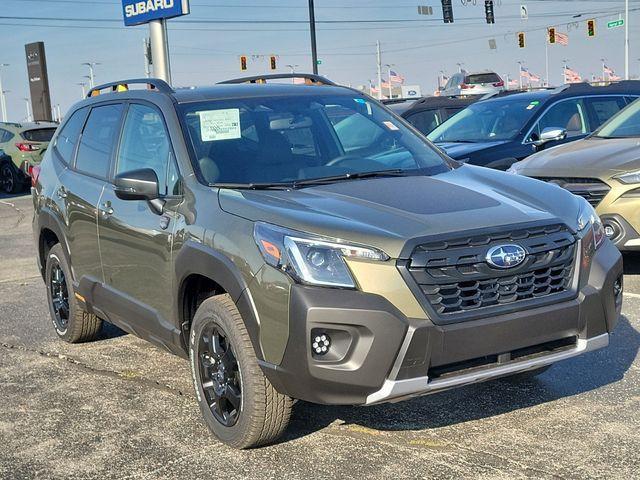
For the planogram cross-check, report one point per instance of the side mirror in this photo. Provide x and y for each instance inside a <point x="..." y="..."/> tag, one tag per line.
<point x="137" y="185"/>
<point x="551" y="134"/>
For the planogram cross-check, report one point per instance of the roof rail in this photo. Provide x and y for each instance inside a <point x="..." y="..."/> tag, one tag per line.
<point x="309" y="79"/>
<point x="123" y="86"/>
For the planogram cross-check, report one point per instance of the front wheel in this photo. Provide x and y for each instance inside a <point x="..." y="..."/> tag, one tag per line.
<point x="238" y="403"/>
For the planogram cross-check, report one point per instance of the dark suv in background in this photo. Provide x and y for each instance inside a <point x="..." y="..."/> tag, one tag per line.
<point x="511" y="126"/>
<point x="255" y="230"/>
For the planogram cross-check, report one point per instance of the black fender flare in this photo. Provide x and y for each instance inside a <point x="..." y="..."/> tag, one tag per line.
<point x="196" y="258"/>
<point x="48" y="220"/>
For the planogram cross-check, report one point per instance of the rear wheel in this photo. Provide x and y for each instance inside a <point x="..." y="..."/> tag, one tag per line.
<point x="238" y="403"/>
<point x="71" y="323"/>
<point x="9" y="181"/>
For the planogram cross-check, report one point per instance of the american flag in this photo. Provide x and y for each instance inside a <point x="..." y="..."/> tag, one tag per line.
<point x="524" y="73"/>
<point x="513" y="83"/>
<point x="385" y="84"/>
<point x="571" y="76"/>
<point x="394" y="77"/>
<point x="562" y="38"/>
<point x="373" y="89"/>
<point x="607" y="70"/>
<point x="615" y="78"/>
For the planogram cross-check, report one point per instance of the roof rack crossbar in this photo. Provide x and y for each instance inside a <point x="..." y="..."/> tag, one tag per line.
<point x="152" y="83"/>
<point x="310" y="79"/>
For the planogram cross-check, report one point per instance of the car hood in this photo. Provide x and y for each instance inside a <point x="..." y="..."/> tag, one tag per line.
<point x="386" y="212"/>
<point x="459" y="150"/>
<point x="594" y="156"/>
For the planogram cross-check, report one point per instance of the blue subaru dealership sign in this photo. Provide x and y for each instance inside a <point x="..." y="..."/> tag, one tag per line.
<point x="137" y="12"/>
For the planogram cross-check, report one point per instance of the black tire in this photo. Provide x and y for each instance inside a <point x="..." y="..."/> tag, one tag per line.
<point x="9" y="180"/>
<point x="263" y="413"/>
<point x="71" y="323"/>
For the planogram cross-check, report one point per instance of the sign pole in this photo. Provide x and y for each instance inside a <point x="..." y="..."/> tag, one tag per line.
<point x="160" y="49"/>
<point x="3" y="100"/>
<point x="312" y="28"/>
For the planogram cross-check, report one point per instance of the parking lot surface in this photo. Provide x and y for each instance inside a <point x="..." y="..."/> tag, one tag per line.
<point x="121" y="408"/>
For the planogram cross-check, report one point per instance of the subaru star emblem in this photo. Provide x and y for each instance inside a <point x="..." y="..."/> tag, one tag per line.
<point x="506" y="256"/>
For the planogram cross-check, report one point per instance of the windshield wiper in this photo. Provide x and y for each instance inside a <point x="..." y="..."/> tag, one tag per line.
<point x="397" y="172"/>
<point x="254" y="186"/>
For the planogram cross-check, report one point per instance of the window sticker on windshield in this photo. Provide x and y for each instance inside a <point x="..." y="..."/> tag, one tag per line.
<point x="390" y="125"/>
<point x="220" y="125"/>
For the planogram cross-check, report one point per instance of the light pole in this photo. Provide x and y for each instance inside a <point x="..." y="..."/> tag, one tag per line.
<point x="565" y="62"/>
<point x="84" y="89"/>
<point x="460" y="66"/>
<point x="520" y="74"/>
<point x="27" y="103"/>
<point x="389" y="65"/>
<point x="91" y="72"/>
<point x="292" y="68"/>
<point x="3" y="100"/>
<point x="626" y="40"/>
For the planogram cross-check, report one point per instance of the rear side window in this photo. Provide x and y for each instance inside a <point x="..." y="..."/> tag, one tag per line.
<point x="482" y="78"/>
<point x="5" y="135"/>
<point x="98" y="139"/>
<point x="68" y="136"/>
<point x="604" y="108"/>
<point x="39" y="134"/>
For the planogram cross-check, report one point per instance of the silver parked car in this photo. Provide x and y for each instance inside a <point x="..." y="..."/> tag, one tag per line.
<point x="480" y="83"/>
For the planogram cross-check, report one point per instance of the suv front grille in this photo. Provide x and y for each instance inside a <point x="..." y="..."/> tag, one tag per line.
<point x="591" y="189"/>
<point x="456" y="281"/>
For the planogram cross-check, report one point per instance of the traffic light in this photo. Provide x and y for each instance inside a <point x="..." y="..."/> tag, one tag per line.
<point x="243" y="63"/>
<point x="447" y="11"/>
<point x="552" y="35"/>
<point x="273" y="63"/>
<point x="591" y="28"/>
<point x="521" y="40"/>
<point x="488" y="11"/>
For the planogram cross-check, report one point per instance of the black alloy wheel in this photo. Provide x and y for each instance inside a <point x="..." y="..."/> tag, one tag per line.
<point x="59" y="297"/>
<point x="220" y="375"/>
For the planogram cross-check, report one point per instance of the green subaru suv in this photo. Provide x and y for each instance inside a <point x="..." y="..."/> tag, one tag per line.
<point x="303" y="242"/>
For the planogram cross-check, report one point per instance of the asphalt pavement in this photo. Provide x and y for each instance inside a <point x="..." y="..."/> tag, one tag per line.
<point x="120" y="408"/>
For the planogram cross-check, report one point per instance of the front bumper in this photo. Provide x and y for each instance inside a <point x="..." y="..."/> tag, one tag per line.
<point x="380" y="355"/>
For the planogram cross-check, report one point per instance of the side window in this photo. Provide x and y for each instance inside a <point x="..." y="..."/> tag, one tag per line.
<point x="355" y="131"/>
<point x="603" y="108"/>
<point x="98" y="139"/>
<point x="568" y="114"/>
<point x="424" y="121"/>
<point x="67" y="139"/>
<point x="145" y="144"/>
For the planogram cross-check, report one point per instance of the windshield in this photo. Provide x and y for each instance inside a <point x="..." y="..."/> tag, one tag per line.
<point x="624" y="124"/>
<point x="486" y="122"/>
<point x="294" y="138"/>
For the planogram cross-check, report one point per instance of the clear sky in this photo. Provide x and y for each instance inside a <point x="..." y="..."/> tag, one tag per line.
<point x="205" y="47"/>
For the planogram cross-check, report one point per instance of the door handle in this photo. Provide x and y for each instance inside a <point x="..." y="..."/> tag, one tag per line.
<point x="62" y="192"/>
<point x="106" y="209"/>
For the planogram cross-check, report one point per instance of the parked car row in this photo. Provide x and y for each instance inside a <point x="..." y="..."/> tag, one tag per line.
<point x="24" y="145"/>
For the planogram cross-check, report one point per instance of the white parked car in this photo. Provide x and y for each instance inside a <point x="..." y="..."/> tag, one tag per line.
<point x="480" y="83"/>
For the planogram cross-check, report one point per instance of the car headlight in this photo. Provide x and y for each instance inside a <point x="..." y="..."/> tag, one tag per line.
<point x="588" y="218"/>
<point x="308" y="259"/>
<point x="629" y="178"/>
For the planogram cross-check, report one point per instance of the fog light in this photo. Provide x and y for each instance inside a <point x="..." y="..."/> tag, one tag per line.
<point x="609" y="231"/>
<point x="321" y="344"/>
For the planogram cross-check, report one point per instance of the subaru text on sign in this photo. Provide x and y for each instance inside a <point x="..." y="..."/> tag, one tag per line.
<point x="137" y="12"/>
